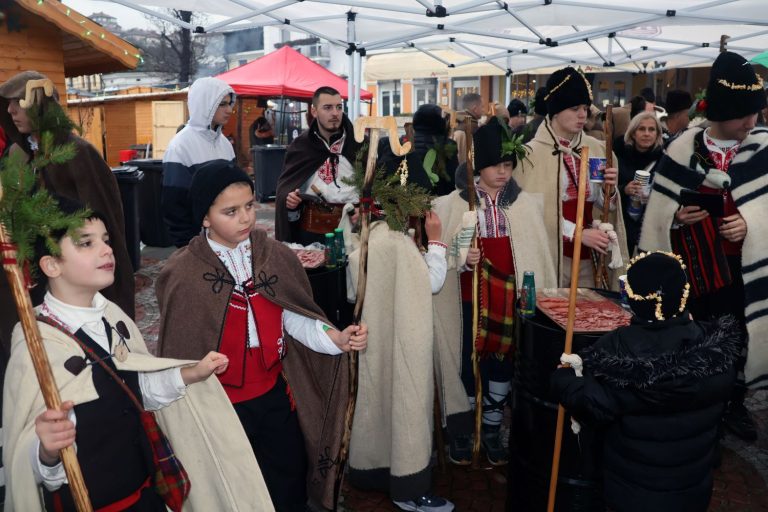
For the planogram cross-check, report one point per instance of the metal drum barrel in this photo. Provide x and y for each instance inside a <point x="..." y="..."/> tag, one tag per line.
<point x="532" y="433"/>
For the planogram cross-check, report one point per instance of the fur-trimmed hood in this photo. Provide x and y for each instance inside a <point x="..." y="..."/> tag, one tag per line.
<point x="663" y="356"/>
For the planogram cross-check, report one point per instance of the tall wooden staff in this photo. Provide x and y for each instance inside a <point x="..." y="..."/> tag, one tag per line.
<point x="471" y="199"/>
<point x="571" y="318"/>
<point x="600" y="264"/>
<point x="39" y="357"/>
<point x="375" y="124"/>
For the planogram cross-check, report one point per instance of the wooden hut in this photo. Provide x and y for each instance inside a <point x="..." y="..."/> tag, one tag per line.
<point x="49" y="37"/>
<point x="139" y="116"/>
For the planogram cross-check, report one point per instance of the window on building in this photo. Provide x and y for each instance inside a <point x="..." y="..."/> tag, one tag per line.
<point x="390" y="98"/>
<point x="424" y="91"/>
<point x="462" y="86"/>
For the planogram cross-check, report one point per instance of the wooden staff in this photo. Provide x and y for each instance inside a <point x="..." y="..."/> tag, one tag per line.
<point x="600" y="264"/>
<point x="471" y="199"/>
<point x="571" y="318"/>
<point x="375" y="124"/>
<point x="40" y="362"/>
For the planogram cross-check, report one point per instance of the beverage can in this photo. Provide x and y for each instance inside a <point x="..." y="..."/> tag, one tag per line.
<point x="341" y="250"/>
<point x="528" y="295"/>
<point x="623" y="289"/>
<point x="330" y="250"/>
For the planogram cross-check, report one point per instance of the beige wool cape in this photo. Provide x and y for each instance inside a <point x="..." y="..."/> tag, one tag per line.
<point x="539" y="174"/>
<point x="391" y="442"/>
<point x="530" y="251"/>
<point x="203" y="428"/>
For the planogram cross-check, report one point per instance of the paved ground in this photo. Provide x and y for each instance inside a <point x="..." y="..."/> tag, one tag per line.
<point x="740" y="482"/>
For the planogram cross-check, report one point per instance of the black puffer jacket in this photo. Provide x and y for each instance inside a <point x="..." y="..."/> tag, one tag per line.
<point x="659" y="391"/>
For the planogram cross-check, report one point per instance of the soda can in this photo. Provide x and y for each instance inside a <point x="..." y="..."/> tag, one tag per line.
<point x="341" y="250"/>
<point x="623" y="289"/>
<point x="528" y="295"/>
<point x="330" y="250"/>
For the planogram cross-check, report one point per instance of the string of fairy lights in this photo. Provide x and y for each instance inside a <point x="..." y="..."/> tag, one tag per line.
<point x="88" y="31"/>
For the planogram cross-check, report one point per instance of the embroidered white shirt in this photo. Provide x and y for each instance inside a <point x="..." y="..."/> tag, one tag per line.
<point x="308" y="331"/>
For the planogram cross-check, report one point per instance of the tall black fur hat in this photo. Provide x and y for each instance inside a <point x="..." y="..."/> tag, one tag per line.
<point x="539" y="103"/>
<point x="734" y="89"/>
<point x="567" y="88"/>
<point x="657" y="286"/>
<point x="488" y="140"/>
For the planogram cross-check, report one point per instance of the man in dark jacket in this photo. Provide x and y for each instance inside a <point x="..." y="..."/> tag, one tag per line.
<point x="658" y="387"/>
<point x="311" y="190"/>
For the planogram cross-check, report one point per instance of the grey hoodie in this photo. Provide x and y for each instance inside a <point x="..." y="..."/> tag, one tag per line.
<point x="197" y="144"/>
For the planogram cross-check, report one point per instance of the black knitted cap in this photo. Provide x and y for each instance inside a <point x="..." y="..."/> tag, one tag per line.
<point x="209" y="181"/>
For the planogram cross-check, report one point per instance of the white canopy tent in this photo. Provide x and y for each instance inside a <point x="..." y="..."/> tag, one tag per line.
<point x="514" y="36"/>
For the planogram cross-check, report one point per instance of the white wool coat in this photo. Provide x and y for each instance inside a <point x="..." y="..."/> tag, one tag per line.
<point x="202" y="426"/>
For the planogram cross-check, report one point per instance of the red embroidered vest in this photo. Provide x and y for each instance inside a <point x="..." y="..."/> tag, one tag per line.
<point x="252" y="371"/>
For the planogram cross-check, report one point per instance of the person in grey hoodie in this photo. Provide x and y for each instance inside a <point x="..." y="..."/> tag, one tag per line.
<point x="211" y="102"/>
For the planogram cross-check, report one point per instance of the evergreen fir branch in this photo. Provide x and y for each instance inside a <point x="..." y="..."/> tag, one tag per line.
<point x="398" y="202"/>
<point x="27" y="211"/>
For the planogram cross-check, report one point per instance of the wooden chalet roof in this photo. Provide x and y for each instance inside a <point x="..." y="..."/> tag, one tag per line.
<point x="88" y="47"/>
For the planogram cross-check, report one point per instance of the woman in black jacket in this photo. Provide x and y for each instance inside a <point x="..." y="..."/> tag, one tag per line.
<point x="658" y="388"/>
<point x="638" y="150"/>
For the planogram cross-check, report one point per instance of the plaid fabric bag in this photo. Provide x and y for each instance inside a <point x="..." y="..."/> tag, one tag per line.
<point x="496" y="324"/>
<point x="170" y="478"/>
<point x="171" y="481"/>
<point x="700" y="246"/>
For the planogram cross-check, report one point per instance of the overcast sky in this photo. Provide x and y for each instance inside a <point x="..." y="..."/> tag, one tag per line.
<point x="126" y="17"/>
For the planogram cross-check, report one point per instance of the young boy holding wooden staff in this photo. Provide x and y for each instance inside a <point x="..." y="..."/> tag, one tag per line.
<point x="101" y="365"/>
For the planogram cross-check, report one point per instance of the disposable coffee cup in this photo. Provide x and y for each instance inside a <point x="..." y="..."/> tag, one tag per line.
<point x="597" y="170"/>
<point x="644" y="178"/>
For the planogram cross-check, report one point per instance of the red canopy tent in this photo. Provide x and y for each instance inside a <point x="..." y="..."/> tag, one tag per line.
<point x="285" y="73"/>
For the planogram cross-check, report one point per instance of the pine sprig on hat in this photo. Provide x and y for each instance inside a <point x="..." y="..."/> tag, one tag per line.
<point x="398" y="202"/>
<point x="28" y="211"/>
<point x="511" y="144"/>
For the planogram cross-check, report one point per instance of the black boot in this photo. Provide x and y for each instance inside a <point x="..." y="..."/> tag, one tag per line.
<point x="738" y="420"/>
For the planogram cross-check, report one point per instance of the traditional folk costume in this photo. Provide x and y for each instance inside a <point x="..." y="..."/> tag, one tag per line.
<point x="251" y="303"/>
<point x="657" y="388"/>
<point x="111" y="444"/>
<point x="550" y="170"/>
<point x="85" y="178"/>
<point x="512" y="240"/>
<point x="726" y="277"/>
<point x="311" y="160"/>
<point x="391" y="443"/>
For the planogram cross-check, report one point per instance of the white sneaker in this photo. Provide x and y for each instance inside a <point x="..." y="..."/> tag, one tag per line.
<point x="426" y="503"/>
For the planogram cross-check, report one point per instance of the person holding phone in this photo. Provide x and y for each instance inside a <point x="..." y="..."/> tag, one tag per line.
<point x="724" y="256"/>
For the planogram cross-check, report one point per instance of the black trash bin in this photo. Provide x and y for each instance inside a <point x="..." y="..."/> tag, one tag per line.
<point x="267" y="166"/>
<point x="152" y="227"/>
<point x="128" y="179"/>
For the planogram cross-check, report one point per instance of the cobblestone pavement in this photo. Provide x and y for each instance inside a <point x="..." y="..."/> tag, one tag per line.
<point x="741" y="481"/>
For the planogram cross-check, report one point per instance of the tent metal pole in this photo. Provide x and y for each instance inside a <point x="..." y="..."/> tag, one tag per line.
<point x="508" y="82"/>
<point x="358" y="81"/>
<point x="351" y="38"/>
